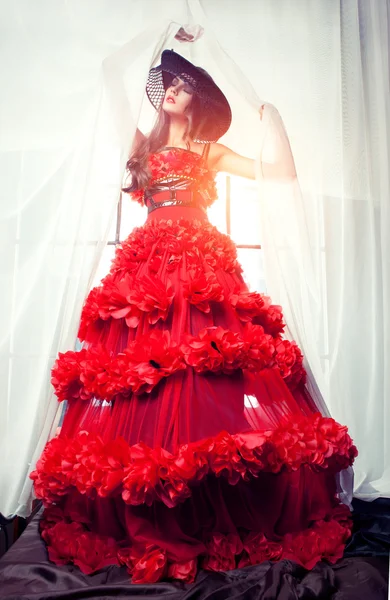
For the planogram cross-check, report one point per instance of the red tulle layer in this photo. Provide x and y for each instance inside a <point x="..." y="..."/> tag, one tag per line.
<point x="142" y="474"/>
<point x="72" y="542"/>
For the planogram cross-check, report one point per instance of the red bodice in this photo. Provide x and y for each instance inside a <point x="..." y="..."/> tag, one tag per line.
<point x="179" y="169"/>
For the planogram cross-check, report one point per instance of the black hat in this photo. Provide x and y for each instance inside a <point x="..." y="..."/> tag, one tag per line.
<point x="216" y="107"/>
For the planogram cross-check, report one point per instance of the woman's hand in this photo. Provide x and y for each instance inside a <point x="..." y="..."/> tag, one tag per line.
<point x="261" y="110"/>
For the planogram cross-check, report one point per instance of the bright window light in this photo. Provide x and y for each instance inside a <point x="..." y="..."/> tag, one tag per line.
<point x="235" y="213"/>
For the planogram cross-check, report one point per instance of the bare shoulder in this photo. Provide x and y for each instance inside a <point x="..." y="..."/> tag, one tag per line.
<point x="197" y="147"/>
<point x="217" y="151"/>
<point x="222" y="158"/>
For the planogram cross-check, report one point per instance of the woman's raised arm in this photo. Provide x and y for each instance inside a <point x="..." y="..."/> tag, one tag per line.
<point x="222" y="158"/>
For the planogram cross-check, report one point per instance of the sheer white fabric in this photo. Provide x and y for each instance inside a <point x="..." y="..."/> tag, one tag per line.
<point x="64" y="145"/>
<point x="74" y="92"/>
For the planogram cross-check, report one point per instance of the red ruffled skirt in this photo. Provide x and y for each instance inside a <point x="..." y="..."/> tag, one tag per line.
<point x="189" y="440"/>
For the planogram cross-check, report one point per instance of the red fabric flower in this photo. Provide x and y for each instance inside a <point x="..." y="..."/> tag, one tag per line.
<point x="201" y="289"/>
<point x="185" y="571"/>
<point x="145" y="565"/>
<point x="258" y="549"/>
<point x="213" y="349"/>
<point x="286" y="447"/>
<point x="156" y="260"/>
<point x="340" y="451"/>
<point x="174" y="490"/>
<point x="95" y="374"/>
<point x="72" y="543"/>
<point x="271" y="318"/>
<point x="115" y="300"/>
<point x="176" y="472"/>
<point x="95" y="552"/>
<point x="190" y="463"/>
<point x="87" y="474"/>
<point x="324" y="540"/>
<point x="132" y="252"/>
<point x="258" y="347"/>
<point x="247" y="304"/>
<point x="65" y="376"/>
<point x="53" y="475"/>
<point x="152" y="296"/>
<point x="221" y="552"/>
<point x="225" y="460"/>
<point x="257" y="308"/>
<point x="342" y="514"/>
<point x="113" y="463"/>
<point x="129" y="296"/>
<point x="288" y="360"/>
<point x="250" y="446"/>
<point x="333" y="536"/>
<point x="62" y="541"/>
<point x="218" y="250"/>
<point x="90" y="318"/>
<point x="142" y="476"/>
<point x="147" y="360"/>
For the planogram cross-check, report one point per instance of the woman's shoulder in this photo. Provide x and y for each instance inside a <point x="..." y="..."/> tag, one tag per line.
<point x="197" y="147"/>
<point x="217" y="151"/>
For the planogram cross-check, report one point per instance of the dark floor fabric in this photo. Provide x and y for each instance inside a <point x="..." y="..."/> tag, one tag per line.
<point x="25" y="573"/>
<point x="371" y="531"/>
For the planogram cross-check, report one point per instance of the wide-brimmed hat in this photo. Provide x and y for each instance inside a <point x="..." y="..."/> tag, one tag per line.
<point x="218" y="115"/>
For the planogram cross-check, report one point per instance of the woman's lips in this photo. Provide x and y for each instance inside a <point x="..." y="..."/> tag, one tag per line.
<point x="171" y="100"/>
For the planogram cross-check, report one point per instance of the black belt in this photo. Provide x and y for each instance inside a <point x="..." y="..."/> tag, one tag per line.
<point x="173" y="198"/>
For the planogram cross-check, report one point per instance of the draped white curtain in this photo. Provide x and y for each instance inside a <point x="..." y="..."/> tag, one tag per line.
<point x="73" y="76"/>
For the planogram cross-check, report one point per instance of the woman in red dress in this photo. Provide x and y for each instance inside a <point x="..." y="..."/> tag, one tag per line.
<point x="190" y="440"/>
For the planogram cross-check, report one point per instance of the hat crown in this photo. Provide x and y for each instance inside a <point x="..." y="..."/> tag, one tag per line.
<point x="218" y="114"/>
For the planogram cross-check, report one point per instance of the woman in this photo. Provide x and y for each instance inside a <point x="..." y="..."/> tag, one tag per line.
<point x="189" y="440"/>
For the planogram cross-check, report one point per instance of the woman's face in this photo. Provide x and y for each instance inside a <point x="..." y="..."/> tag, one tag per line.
<point x="178" y="97"/>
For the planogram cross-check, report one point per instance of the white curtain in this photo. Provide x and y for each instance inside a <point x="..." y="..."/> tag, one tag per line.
<point x="74" y="75"/>
<point x="327" y="251"/>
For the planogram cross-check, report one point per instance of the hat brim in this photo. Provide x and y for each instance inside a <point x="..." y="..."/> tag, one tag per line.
<point x="217" y="109"/>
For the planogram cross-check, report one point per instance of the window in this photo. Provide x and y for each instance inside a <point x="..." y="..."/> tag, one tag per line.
<point x="236" y="213"/>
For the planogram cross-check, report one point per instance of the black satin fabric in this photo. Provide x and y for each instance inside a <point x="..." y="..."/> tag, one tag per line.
<point x="371" y="528"/>
<point x="25" y="573"/>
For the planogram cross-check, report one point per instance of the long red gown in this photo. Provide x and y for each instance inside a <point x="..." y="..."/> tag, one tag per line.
<point x="189" y="440"/>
